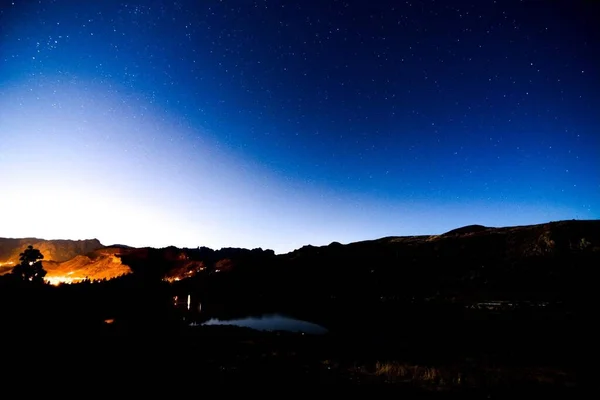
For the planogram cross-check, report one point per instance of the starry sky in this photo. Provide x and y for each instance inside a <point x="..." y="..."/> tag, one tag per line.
<point x="277" y="124"/>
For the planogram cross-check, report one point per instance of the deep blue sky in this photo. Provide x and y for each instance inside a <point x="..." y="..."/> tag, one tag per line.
<point x="279" y="123"/>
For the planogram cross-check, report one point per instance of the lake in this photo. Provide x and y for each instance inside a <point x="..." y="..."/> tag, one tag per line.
<point x="272" y="322"/>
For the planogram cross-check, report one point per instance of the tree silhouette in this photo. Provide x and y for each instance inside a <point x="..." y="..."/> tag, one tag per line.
<point x="30" y="268"/>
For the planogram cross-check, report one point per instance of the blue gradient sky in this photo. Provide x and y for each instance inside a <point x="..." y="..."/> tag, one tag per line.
<point x="277" y="124"/>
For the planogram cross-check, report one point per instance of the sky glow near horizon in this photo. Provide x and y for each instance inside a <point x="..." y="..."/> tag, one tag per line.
<point x="112" y="129"/>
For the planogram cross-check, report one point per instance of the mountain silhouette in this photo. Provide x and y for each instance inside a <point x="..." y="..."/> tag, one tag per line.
<point x="472" y="260"/>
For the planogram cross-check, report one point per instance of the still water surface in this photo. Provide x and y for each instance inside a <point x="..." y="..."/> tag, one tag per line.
<point x="272" y="322"/>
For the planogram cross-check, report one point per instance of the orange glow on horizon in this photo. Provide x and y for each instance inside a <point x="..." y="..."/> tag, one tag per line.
<point x="57" y="280"/>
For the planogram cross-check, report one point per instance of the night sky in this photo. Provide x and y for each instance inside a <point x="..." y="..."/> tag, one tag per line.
<point x="277" y="124"/>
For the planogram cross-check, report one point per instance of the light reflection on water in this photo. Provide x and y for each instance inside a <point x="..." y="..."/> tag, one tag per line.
<point x="263" y="322"/>
<point x="272" y="322"/>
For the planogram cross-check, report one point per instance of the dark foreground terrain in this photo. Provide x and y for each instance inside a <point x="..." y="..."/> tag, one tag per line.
<point x="480" y="355"/>
<point x="238" y="358"/>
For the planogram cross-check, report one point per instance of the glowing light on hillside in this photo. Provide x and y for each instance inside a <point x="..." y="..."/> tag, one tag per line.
<point x="189" y="301"/>
<point x="57" y="280"/>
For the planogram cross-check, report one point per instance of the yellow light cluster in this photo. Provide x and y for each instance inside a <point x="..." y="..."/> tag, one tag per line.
<point x="56" y="280"/>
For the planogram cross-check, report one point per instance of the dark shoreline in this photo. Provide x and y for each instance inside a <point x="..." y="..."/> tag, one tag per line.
<point x="192" y="358"/>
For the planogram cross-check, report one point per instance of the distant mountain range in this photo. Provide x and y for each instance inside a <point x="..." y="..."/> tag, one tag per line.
<point x="546" y="258"/>
<point x="53" y="250"/>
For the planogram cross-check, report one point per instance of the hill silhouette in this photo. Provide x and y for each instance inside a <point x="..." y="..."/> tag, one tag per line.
<point x="466" y="230"/>
<point x="532" y="261"/>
